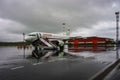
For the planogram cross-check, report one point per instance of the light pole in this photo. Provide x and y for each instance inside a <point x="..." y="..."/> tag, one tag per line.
<point x="23" y="37"/>
<point x="117" y="34"/>
<point x="23" y="45"/>
<point x="63" y="28"/>
<point x="66" y="30"/>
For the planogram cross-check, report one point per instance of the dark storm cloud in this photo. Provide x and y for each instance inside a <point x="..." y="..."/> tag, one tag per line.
<point x="48" y="15"/>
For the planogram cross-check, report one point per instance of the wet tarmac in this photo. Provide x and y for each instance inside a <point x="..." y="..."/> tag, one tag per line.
<point x="15" y="64"/>
<point x="115" y="76"/>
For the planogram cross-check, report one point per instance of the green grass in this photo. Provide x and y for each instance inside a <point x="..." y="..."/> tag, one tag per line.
<point x="12" y="43"/>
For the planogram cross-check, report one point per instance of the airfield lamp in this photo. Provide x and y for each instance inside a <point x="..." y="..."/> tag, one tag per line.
<point x="63" y="23"/>
<point x="23" y="37"/>
<point x="117" y="34"/>
<point x="63" y="28"/>
<point x="23" y="45"/>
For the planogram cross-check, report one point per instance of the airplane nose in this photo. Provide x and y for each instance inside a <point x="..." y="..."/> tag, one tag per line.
<point x="26" y="39"/>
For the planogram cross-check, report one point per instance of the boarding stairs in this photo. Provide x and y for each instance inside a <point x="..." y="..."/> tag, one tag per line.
<point x="49" y="44"/>
<point x="42" y="51"/>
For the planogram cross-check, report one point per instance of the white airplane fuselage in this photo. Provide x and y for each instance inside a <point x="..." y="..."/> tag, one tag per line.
<point x="31" y="37"/>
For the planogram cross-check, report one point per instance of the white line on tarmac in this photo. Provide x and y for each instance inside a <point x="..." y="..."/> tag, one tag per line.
<point x="17" y="67"/>
<point x="37" y="63"/>
<point x="51" y="60"/>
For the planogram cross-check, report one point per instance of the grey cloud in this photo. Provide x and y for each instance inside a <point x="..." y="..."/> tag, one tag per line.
<point x="48" y="15"/>
<point x="11" y="30"/>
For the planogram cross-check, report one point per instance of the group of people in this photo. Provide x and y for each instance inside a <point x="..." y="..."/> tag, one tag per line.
<point x="60" y="44"/>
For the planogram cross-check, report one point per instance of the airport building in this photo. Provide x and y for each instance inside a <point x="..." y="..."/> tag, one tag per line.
<point x="89" y="43"/>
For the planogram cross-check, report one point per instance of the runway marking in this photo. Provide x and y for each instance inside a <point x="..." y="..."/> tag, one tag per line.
<point x="62" y="59"/>
<point x="37" y="63"/>
<point x="57" y="59"/>
<point x="51" y="60"/>
<point x="17" y="67"/>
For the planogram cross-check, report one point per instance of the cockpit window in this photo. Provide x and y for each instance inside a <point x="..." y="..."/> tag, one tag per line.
<point x="31" y="35"/>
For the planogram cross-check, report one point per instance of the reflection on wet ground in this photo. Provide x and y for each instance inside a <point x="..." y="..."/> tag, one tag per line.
<point x="83" y="65"/>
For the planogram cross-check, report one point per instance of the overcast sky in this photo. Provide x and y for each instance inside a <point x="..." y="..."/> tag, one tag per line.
<point x="84" y="17"/>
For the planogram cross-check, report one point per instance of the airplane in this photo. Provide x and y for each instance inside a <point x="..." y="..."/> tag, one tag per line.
<point x="45" y="41"/>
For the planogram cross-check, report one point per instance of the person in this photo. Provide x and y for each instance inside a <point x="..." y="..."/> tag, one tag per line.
<point x="61" y="46"/>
